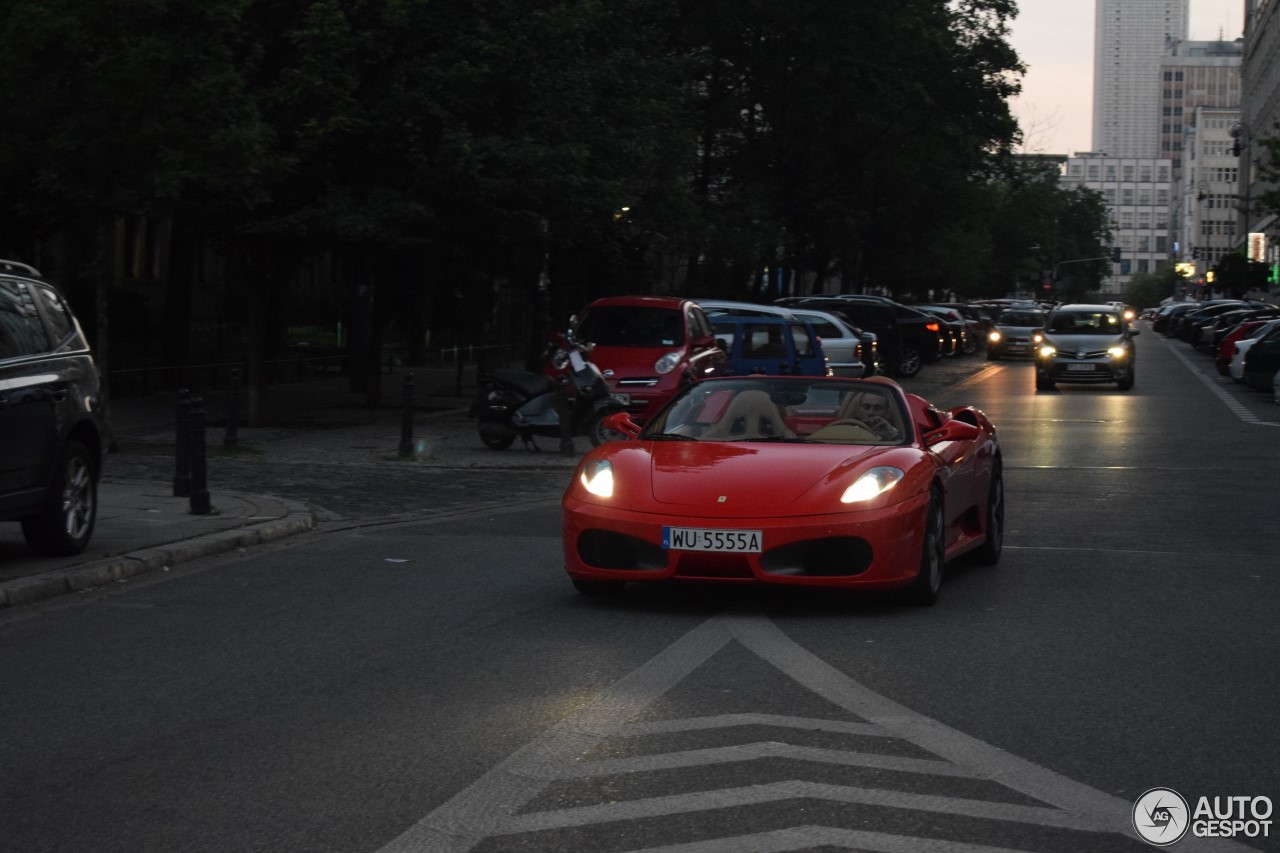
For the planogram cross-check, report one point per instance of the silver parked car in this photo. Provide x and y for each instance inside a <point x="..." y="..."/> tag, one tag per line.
<point x="1086" y="344"/>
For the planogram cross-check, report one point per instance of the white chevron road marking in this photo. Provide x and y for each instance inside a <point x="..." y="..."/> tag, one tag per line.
<point x="492" y="806"/>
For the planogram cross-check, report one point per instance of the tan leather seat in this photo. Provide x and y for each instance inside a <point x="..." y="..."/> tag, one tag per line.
<point x="751" y="414"/>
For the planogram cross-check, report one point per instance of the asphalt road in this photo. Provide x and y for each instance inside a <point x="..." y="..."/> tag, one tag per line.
<point x="400" y="683"/>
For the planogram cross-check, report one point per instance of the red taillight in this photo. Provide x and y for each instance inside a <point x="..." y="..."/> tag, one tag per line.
<point x="933" y="327"/>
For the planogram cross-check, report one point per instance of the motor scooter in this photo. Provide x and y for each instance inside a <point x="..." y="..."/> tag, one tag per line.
<point x="518" y="404"/>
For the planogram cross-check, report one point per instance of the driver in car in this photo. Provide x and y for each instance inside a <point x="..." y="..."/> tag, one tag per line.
<point x="873" y="410"/>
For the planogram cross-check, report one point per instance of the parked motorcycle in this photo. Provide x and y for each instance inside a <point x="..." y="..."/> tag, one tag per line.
<point x="519" y="404"/>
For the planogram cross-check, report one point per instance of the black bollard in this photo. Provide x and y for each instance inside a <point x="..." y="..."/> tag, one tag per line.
<point x="231" y="436"/>
<point x="564" y="412"/>
<point x="406" y="416"/>
<point x="199" y="498"/>
<point x="181" y="456"/>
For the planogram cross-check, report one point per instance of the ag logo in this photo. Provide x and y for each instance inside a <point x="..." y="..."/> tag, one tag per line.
<point x="1161" y="816"/>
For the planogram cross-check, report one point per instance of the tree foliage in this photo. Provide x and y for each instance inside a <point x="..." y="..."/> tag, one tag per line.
<point x="439" y="145"/>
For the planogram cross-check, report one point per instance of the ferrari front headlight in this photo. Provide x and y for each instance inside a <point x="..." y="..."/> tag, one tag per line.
<point x="667" y="363"/>
<point x="597" y="478"/>
<point x="872" y="484"/>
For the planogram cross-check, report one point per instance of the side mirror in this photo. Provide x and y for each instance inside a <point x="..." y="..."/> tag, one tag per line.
<point x="953" y="430"/>
<point x="620" y="422"/>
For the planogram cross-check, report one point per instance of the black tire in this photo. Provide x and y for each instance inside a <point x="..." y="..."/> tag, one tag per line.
<point x="988" y="553"/>
<point x="598" y="587"/>
<point x="924" y="589"/>
<point x="1126" y="384"/>
<point x="1044" y="383"/>
<point x="64" y="525"/>
<point x="908" y="363"/>
<point x="495" y="437"/>
<point x="992" y="356"/>
<point x="597" y="433"/>
<point x="970" y="346"/>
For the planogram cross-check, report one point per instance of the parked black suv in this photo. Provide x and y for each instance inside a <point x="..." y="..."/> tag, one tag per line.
<point x="907" y="338"/>
<point x="51" y="429"/>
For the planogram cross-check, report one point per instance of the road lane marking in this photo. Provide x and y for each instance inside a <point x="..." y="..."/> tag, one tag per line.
<point x="495" y="805"/>
<point x="1237" y="408"/>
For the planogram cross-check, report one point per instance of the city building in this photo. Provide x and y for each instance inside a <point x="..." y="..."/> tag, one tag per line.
<point x="1260" y="113"/>
<point x="1206" y="219"/>
<point x="1131" y="38"/>
<point x="1138" y="192"/>
<point x="1195" y="74"/>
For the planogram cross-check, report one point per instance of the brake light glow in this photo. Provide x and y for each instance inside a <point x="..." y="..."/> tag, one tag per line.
<point x="933" y="327"/>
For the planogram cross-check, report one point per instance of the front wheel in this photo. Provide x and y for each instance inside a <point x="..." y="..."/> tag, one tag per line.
<point x="924" y="589"/>
<point x="1045" y="383"/>
<point x="64" y="524"/>
<point x="496" y="436"/>
<point x="598" y="433"/>
<point x="1126" y="384"/>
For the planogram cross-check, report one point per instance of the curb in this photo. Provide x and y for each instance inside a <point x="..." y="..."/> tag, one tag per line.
<point x="111" y="569"/>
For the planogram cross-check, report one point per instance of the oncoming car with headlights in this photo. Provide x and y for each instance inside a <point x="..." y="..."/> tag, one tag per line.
<point x="650" y="347"/>
<point x="1086" y="344"/>
<point x="788" y="480"/>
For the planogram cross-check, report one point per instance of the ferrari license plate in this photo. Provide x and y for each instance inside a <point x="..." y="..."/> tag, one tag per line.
<point x="702" y="539"/>
<point x="1080" y="368"/>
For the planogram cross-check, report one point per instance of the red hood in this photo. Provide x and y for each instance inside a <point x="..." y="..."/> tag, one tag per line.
<point x="629" y="361"/>
<point x="752" y="477"/>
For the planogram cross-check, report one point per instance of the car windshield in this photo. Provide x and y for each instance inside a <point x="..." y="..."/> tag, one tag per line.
<point x="785" y="409"/>
<point x="1020" y="318"/>
<point x="1086" y="323"/>
<point x="632" y="326"/>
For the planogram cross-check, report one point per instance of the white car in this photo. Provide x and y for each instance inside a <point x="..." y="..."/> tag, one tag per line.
<point x="1236" y="367"/>
<point x="845" y="346"/>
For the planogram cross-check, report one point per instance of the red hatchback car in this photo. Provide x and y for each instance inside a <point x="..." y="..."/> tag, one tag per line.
<point x="649" y="348"/>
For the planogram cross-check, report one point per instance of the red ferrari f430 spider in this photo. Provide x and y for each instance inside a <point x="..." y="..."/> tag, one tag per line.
<point x="791" y="480"/>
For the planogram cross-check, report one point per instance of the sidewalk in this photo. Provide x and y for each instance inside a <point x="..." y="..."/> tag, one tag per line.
<point x="141" y="527"/>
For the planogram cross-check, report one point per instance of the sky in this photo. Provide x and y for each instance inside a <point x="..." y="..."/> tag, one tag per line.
<point x="1054" y="38"/>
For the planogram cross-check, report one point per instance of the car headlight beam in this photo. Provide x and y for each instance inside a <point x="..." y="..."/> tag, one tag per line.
<point x="1117" y="351"/>
<point x="1047" y="350"/>
<point x="597" y="478"/>
<point x="871" y="484"/>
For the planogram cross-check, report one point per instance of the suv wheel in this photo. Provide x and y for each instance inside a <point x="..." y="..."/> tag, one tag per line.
<point x="65" y="523"/>
<point x="909" y="362"/>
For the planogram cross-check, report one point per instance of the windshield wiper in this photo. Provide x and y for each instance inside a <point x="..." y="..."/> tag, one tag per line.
<point x="668" y="436"/>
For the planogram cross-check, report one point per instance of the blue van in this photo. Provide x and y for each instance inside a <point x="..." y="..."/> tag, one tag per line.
<point x="771" y="346"/>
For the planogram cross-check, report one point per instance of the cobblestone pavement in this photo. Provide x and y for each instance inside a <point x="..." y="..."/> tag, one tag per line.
<point x="344" y="460"/>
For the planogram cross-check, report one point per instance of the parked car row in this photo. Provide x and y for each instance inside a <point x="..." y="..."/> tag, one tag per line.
<point x="650" y="347"/>
<point x="1241" y="335"/>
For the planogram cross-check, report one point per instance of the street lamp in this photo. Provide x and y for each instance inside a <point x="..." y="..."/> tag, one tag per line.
<point x="1242" y="146"/>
